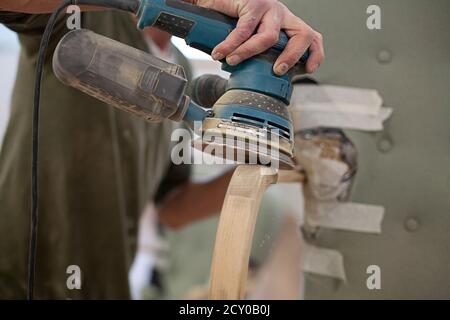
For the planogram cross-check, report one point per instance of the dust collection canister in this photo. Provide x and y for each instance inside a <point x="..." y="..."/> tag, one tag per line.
<point x="121" y="76"/>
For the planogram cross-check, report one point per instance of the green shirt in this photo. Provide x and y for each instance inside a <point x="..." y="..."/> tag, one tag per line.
<point x="98" y="166"/>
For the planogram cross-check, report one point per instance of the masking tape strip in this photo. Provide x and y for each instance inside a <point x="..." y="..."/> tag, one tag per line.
<point x="307" y="119"/>
<point x="328" y="98"/>
<point x="322" y="261"/>
<point x="385" y="113"/>
<point x="345" y="216"/>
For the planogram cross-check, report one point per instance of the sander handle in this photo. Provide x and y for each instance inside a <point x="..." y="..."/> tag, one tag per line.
<point x="202" y="28"/>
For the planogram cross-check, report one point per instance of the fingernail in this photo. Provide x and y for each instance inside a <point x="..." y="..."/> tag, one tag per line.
<point x="217" y="55"/>
<point x="233" y="60"/>
<point x="281" y="69"/>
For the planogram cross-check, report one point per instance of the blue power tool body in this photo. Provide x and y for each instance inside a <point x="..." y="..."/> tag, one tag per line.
<point x="204" y="29"/>
<point x="266" y="95"/>
<point x="245" y="115"/>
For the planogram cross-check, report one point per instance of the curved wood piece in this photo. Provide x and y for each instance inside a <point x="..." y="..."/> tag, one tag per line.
<point x="235" y="231"/>
<point x="290" y="176"/>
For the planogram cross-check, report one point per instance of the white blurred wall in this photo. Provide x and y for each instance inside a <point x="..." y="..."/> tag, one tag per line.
<point x="9" y="52"/>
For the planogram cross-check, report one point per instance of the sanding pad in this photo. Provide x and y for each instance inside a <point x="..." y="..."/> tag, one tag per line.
<point x="244" y="144"/>
<point x="249" y="127"/>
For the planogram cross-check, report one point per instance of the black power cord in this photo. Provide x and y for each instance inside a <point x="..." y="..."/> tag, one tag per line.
<point x="125" y="5"/>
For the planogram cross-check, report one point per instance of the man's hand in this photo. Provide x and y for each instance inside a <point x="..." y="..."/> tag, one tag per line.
<point x="267" y="17"/>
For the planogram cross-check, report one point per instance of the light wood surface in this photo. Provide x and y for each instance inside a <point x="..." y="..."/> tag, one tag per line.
<point x="290" y="176"/>
<point x="237" y="221"/>
<point x="235" y="231"/>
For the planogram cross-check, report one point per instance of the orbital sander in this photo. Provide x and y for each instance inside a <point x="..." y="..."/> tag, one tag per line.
<point x="249" y="121"/>
<point x="246" y="114"/>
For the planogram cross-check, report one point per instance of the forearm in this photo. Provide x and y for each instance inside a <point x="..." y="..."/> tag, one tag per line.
<point x="194" y="201"/>
<point x="35" y="6"/>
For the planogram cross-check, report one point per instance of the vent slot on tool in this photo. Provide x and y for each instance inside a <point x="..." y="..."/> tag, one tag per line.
<point x="283" y="131"/>
<point x="261" y="123"/>
<point x="246" y="119"/>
